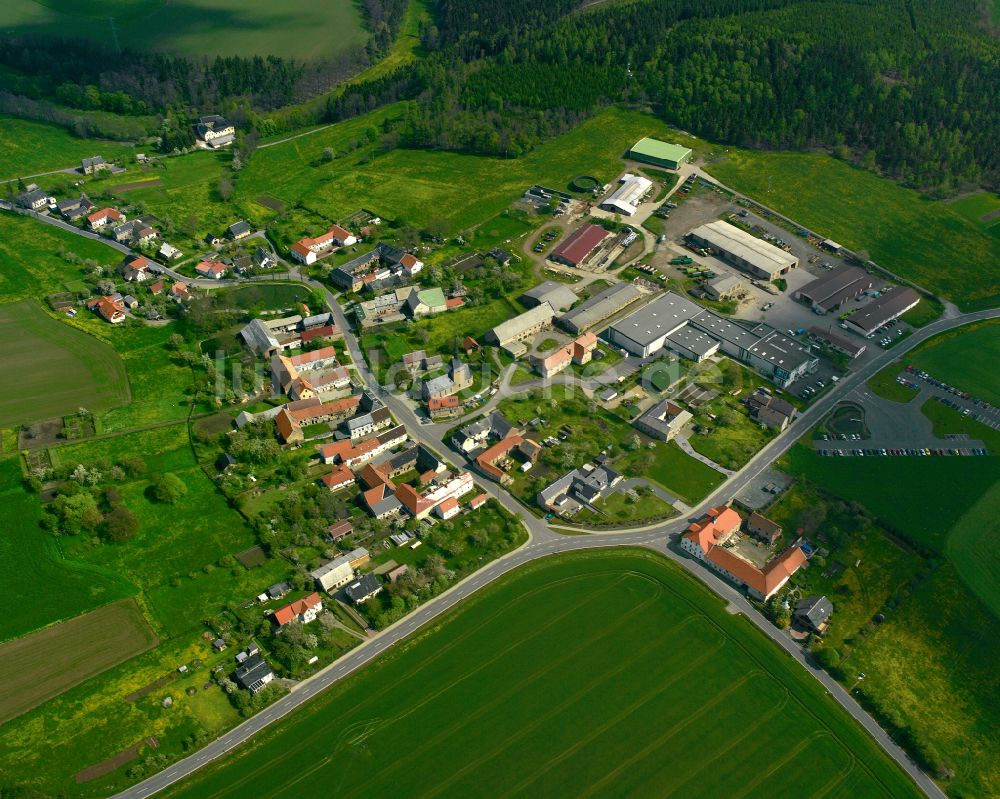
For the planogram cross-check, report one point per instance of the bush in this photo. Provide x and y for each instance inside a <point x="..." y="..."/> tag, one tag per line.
<point x="168" y="488"/>
<point x="120" y="524"/>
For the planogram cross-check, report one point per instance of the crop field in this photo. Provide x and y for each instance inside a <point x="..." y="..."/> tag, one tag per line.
<point x="550" y="684"/>
<point x="932" y="243"/>
<point x="965" y="358"/>
<point x="175" y="543"/>
<point x="54" y="368"/>
<point x="44" y="664"/>
<point x="28" y="148"/>
<point x="305" y="30"/>
<point x="31" y="564"/>
<point x="420" y="186"/>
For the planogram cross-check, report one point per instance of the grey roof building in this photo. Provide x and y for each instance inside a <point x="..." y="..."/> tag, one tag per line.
<point x="365" y="587"/>
<point x="523" y="326"/>
<point x="891" y="305"/>
<point x="584" y="486"/>
<point x="258" y="337"/>
<point x="239" y="229"/>
<point x="828" y="292"/>
<point x="253" y="674"/>
<point x="558" y="295"/>
<point x="814" y="612"/>
<point x="600" y="307"/>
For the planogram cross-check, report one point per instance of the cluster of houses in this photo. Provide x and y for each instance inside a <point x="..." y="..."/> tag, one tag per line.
<point x="114" y="308"/>
<point x="309" y="250"/>
<point x="496" y="446"/>
<point x="382" y="267"/>
<point x="404" y="302"/>
<point x="267" y="337"/>
<point x="309" y="374"/>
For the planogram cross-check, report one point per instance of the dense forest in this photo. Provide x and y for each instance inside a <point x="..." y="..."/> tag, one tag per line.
<point x="908" y="88"/>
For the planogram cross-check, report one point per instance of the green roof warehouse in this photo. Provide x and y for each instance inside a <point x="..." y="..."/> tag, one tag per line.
<point x="659" y="153"/>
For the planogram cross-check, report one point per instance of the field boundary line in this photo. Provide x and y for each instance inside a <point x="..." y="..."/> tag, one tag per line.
<point x="575" y="697"/>
<point x="657" y="742"/>
<point x="788" y="756"/>
<point x="499" y="697"/>
<point x="750" y="730"/>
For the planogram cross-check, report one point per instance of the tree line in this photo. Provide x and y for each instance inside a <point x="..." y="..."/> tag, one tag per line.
<point x="908" y="89"/>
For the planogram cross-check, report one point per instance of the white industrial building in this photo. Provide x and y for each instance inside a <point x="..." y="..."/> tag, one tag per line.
<point x="743" y="250"/>
<point x="628" y="195"/>
<point x="677" y="324"/>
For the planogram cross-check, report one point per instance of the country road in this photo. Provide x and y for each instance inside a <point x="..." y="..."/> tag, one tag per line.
<point x="544" y="541"/>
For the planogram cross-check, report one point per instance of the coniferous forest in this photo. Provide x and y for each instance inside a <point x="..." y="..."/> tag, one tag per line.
<point x="910" y="88"/>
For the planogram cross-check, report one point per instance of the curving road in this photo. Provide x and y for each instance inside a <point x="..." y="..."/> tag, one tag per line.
<point x="543" y="542"/>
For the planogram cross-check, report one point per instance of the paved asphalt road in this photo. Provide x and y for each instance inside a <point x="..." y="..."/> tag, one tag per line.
<point x="544" y="542"/>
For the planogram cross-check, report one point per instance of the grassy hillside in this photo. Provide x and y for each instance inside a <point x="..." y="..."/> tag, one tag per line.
<point x="931" y="243"/>
<point x="28" y="148"/>
<point x="549" y="684"/>
<point x="303" y="30"/>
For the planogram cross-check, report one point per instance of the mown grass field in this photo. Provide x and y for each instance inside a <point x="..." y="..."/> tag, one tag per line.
<point x="920" y="497"/>
<point x="28" y="148"/>
<point x="54" y="367"/>
<point x="550" y="684"/>
<point x="38" y="581"/>
<point x="42" y="665"/>
<point x="982" y="208"/>
<point x="420" y="186"/>
<point x="304" y="30"/>
<point x="929" y="242"/>
<point x="933" y="664"/>
<point x="32" y="264"/>
<point x="966" y="358"/>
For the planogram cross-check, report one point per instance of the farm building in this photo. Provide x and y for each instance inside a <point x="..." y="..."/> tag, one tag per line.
<point x="891" y="305"/>
<point x="828" y="292"/>
<point x="705" y="538"/>
<point x="522" y="326"/>
<point x="558" y="295"/>
<point x="626" y="198"/>
<point x="600" y="307"/>
<point x="659" y="153"/>
<point x="724" y="287"/>
<point x="333" y="574"/>
<point x="744" y="250"/>
<point x="579" y="245"/>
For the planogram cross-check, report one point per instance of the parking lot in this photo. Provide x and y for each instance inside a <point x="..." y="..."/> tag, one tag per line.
<point x="901" y="429"/>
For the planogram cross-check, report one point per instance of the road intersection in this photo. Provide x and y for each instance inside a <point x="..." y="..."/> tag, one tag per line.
<point x="544" y="541"/>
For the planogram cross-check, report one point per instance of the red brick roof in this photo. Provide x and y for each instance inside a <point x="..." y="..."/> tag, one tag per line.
<point x="411" y="500"/>
<point x="580" y="243"/>
<point x="338" y="477"/>
<point x="305" y="358"/>
<point x="340" y="530"/>
<point x="718" y="523"/>
<point x="326" y="331"/>
<point x="294" y="609"/>
<point x="439" y="403"/>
